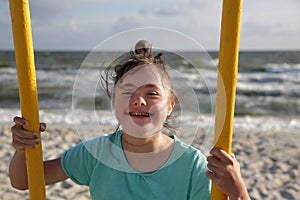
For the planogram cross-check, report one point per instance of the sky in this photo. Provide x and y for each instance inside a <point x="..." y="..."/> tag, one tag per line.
<point x="84" y="24"/>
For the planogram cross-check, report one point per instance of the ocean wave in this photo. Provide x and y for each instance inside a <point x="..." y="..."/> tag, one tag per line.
<point x="268" y="82"/>
<point x="106" y="118"/>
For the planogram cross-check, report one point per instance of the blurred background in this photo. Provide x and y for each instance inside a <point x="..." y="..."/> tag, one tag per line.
<point x="65" y="32"/>
<point x="268" y="87"/>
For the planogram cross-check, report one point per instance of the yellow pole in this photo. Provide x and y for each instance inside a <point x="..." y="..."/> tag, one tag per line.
<point x="227" y="77"/>
<point x="24" y="53"/>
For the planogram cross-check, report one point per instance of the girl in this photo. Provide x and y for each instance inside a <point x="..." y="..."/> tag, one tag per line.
<point x="138" y="161"/>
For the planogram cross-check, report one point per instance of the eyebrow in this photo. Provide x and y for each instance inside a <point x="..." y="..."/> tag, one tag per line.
<point x="127" y="85"/>
<point x="130" y="85"/>
<point x="150" y="85"/>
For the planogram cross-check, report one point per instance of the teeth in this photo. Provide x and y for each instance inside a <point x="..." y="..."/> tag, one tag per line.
<point x="140" y="114"/>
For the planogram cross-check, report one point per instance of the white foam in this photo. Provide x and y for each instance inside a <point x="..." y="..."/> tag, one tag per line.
<point x="267" y="123"/>
<point x="60" y="117"/>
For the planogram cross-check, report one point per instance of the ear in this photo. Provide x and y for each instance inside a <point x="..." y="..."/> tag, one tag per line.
<point x="171" y="107"/>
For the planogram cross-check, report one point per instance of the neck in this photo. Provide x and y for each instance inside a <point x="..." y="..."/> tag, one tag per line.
<point x="157" y="142"/>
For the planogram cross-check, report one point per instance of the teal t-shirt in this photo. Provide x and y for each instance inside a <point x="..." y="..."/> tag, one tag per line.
<point x="100" y="163"/>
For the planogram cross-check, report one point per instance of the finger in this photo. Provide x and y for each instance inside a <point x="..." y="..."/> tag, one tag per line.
<point x="221" y="154"/>
<point x="212" y="176"/>
<point x="233" y="156"/>
<point x="214" y="161"/>
<point x="212" y="168"/>
<point x="20" y="132"/>
<point x="21" y="147"/>
<point x="20" y="121"/>
<point x="43" y="126"/>
<point x="216" y="170"/>
<point x="26" y="141"/>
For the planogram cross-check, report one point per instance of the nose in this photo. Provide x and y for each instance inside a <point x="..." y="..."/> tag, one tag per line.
<point x="138" y="101"/>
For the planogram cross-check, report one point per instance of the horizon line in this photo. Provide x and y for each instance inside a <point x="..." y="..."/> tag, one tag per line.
<point x="180" y="50"/>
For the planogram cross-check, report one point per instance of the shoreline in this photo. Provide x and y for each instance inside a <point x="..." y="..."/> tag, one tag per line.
<point x="269" y="162"/>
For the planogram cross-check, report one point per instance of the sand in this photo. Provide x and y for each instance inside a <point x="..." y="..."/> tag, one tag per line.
<point x="270" y="163"/>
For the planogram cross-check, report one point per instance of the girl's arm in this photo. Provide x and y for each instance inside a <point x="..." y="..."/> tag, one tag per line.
<point x="22" y="140"/>
<point x="225" y="173"/>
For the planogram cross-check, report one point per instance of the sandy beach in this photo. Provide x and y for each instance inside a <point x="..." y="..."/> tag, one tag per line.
<point x="269" y="163"/>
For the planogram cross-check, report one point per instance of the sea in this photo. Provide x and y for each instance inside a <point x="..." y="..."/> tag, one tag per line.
<point x="70" y="90"/>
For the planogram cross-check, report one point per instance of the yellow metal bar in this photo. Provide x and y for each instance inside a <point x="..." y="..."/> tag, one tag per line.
<point x="227" y="77"/>
<point x="24" y="53"/>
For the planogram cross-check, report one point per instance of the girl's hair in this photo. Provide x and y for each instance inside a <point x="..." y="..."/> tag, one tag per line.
<point x="141" y="55"/>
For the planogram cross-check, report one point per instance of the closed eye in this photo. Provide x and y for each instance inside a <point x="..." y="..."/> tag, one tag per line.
<point x="152" y="93"/>
<point x="127" y="93"/>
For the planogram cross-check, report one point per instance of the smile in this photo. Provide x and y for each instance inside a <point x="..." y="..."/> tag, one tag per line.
<point x="139" y="114"/>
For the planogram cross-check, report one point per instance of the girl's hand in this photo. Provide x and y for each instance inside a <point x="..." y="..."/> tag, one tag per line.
<point x="225" y="173"/>
<point x="23" y="139"/>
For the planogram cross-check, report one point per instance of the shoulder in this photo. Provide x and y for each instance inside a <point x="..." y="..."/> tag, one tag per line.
<point x="188" y="150"/>
<point x="85" y="156"/>
<point x="92" y="146"/>
<point x="187" y="156"/>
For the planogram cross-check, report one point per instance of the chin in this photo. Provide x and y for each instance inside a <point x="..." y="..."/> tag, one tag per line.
<point x="141" y="131"/>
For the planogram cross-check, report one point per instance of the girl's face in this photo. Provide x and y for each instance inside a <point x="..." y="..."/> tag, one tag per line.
<point x="142" y="101"/>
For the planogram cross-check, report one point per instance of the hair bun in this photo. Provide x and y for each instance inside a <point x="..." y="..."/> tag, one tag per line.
<point x="143" y="47"/>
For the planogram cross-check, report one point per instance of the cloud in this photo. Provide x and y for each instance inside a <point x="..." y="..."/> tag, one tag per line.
<point x="86" y="22"/>
<point x="49" y="10"/>
<point x="72" y="25"/>
<point x="187" y="8"/>
<point x="53" y="11"/>
<point x="266" y="23"/>
<point x="171" y="10"/>
<point x="126" y="23"/>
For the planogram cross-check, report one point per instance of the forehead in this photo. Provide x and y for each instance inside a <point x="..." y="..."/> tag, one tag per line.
<point x="142" y="75"/>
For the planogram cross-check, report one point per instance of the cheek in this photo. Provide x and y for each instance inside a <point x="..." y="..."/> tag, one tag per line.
<point x="160" y="111"/>
<point x="120" y="104"/>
